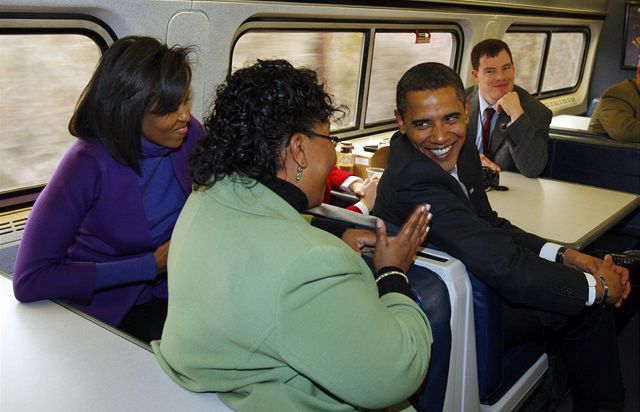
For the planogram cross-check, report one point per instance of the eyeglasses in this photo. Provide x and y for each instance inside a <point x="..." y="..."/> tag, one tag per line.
<point x="333" y="139"/>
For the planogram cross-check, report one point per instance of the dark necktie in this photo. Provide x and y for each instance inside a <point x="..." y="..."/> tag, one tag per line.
<point x="486" y="129"/>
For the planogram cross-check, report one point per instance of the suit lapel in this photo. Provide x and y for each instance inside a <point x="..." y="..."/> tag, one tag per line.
<point x="474" y="108"/>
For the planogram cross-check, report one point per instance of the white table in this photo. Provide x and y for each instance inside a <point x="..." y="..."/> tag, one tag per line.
<point x="561" y="212"/>
<point x="570" y="122"/>
<point x="52" y="359"/>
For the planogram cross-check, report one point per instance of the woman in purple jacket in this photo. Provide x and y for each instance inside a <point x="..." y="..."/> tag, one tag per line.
<point x="98" y="235"/>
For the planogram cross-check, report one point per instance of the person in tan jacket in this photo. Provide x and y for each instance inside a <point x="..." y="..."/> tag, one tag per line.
<point x="618" y="112"/>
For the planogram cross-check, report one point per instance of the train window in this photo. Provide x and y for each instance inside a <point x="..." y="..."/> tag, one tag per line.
<point x="393" y="54"/>
<point x="564" y="63"/>
<point x="527" y="50"/>
<point x="335" y="55"/>
<point x="41" y="77"/>
<point x="541" y="54"/>
<point x="360" y="65"/>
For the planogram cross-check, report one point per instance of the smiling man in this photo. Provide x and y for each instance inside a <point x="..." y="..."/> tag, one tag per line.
<point x="547" y="290"/>
<point x="511" y="127"/>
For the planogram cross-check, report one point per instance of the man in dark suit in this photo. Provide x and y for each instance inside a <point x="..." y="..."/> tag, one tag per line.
<point x="514" y="133"/>
<point x="432" y="162"/>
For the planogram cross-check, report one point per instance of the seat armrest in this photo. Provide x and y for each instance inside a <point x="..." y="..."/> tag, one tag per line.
<point x="462" y="385"/>
<point x="344" y="215"/>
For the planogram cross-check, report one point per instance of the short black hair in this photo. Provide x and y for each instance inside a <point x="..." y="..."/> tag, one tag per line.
<point x="427" y="76"/>
<point x="490" y="48"/>
<point x="135" y="76"/>
<point x="256" y="111"/>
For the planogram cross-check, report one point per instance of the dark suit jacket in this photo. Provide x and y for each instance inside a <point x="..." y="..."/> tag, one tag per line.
<point x="521" y="147"/>
<point x="498" y="253"/>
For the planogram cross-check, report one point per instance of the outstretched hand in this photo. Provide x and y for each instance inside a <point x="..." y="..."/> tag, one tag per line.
<point x="400" y="250"/>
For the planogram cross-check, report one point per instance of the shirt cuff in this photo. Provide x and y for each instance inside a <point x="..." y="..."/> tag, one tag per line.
<point x="363" y="208"/>
<point x="591" y="281"/>
<point x="549" y="251"/>
<point x="346" y="182"/>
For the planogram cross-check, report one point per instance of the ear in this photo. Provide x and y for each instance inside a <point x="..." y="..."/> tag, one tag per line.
<point x="467" y="106"/>
<point x="400" y="121"/>
<point x="297" y="149"/>
<point x="474" y="73"/>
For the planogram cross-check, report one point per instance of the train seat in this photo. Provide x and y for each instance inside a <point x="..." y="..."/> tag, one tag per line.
<point x="506" y="376"/>
<point x="434" y="300"/>
<point x="342" y="199"/>
<point x="593" y="160"/>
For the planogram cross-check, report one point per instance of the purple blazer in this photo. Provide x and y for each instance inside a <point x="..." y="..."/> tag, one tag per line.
<point x="90" y="211"/>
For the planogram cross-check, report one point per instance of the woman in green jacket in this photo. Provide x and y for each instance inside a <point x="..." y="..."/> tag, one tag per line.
<point x="264" y="309"/>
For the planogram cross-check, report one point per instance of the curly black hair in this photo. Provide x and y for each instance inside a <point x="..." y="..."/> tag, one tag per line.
<point x="256" y="111"/>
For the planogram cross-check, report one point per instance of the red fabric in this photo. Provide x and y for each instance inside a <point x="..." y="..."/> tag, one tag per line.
<point x="335" y="179"/>
<point x="337" y="176"/>
<point x="354" y="208"/>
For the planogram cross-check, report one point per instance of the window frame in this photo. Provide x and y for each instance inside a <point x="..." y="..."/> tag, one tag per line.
<point x="46" y="24"/>
<point x="549" y="31"/>
<point x="368" y="28"/>
<point x="456" y="61"/>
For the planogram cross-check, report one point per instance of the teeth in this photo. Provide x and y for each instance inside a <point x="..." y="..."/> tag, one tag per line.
<point x="441" y="152"/>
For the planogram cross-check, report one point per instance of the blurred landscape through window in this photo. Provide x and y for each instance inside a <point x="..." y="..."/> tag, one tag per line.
<point x="41" y="78"/>
<point x="563" y="50"/>
<point x="394" y="54"/>
<point x="527" y="50"/>
<point x="335" y="56"/>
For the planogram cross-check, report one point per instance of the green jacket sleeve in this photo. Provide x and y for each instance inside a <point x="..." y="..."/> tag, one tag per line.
<point x="332" y="327"/>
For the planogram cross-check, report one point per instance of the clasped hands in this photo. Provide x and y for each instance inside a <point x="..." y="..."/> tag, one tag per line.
<point x="617" y="277"/>
<point x="398" y="250"/>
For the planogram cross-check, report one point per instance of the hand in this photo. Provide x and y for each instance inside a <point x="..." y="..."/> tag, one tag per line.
<point x="624" y="280"/>
<point x="618" y="283"/>
<point x="580" y="261"/>
<point x="356" y="186"/>
<point x="484" y="160"/>
<point x="359" y="240"/>
<point x="400" y="250"/>
<point x="161" y="254"/>
<point x="510" y="104"/>
<point x="367" y="192"/>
